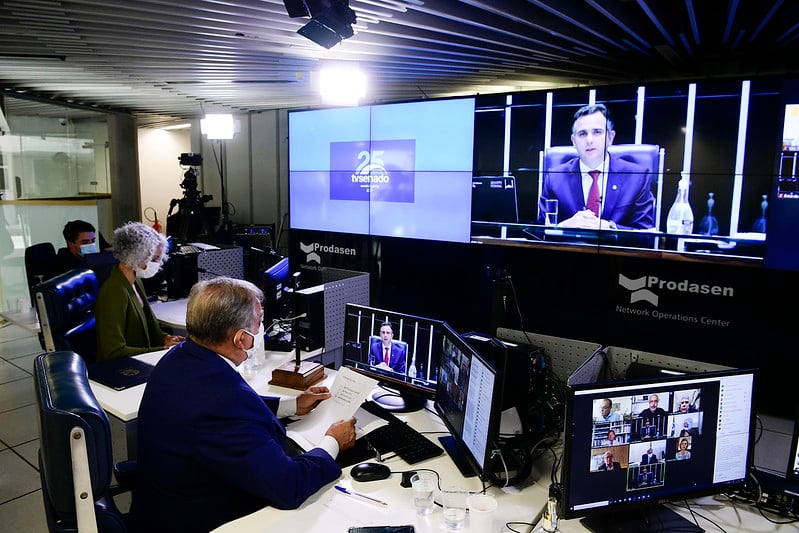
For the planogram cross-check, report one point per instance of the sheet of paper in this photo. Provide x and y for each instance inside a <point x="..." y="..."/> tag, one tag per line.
<point x="348" y="392"/>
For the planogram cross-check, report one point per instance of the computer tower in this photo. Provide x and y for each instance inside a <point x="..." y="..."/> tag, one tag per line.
<point x="524" y="386"/>
<point x="181" y="273"/>
<point x="309" y="331"/>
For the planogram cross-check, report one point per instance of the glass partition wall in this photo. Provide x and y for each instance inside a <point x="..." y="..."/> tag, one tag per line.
<point x="54" y="168"/>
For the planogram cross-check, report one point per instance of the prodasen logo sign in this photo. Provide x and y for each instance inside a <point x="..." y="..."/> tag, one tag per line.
<point x="638" y="290"/>
<point x="313" y="250"/>
<point x="652" y="290"/>
<point x="642" y="289"/>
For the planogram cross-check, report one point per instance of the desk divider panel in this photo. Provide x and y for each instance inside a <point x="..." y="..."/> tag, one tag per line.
<point x="225" y="261"/>
<point x="341" y="287"/>
<point x="565" y="355"/>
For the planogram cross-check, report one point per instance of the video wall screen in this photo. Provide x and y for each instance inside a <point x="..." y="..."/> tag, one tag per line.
<point x="395" y="170"/>
<point x="693" y="168"/>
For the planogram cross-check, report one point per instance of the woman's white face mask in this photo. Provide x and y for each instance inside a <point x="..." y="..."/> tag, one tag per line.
<point x="152" y="269"/>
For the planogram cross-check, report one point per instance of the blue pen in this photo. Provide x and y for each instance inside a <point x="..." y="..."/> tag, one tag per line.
<point x="353" y="493"/>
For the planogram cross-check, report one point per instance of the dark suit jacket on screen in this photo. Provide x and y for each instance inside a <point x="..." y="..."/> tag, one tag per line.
<point x="645" y="459"/>
<point x="628" y="198"/>
<point x="396" y="359"/>
<point x="211" y="449"/>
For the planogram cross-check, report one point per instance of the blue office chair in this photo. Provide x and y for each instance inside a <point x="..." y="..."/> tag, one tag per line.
<point x="65" y="304"/>
<point x="75" y="455"/>
<point x="649" y="156"/>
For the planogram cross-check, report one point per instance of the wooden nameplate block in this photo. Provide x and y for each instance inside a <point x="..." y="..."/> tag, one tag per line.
<point x="300" y="378"/>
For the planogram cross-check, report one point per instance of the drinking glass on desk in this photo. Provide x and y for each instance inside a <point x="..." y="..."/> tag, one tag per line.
<point x="454" y="501"/>
<point x="551" y="212"/>
<point x="424" y="485"/>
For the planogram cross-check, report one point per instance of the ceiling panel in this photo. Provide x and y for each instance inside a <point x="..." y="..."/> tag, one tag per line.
<point x="165" y="60"/>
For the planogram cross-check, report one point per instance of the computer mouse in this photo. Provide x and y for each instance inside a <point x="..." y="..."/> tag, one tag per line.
<point x="370" y="472"/>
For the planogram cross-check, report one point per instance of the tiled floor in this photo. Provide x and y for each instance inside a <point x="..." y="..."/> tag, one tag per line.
<point x="21" y="507"/>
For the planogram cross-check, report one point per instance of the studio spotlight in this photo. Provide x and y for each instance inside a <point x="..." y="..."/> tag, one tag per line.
<point x="305" y="8"/>
<point x="331" y="20"/>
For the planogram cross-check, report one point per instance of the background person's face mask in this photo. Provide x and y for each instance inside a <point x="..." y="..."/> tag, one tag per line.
<point x="88" y="248"/>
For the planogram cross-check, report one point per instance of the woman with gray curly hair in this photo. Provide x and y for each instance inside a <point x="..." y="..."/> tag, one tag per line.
<point x="126" y="324"/>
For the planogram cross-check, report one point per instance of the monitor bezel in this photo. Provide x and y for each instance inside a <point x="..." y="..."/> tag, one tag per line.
<point x="569" y="447"/>
<point x="486" y="471"/>
<point x="792" y="468"/>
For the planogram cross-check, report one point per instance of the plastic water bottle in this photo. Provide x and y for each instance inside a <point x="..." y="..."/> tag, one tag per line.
<point x="681" y="218"/>
<point x="412" y="369"/>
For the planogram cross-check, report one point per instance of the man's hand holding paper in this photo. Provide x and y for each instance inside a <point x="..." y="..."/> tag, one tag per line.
<point x="347" y="394"/>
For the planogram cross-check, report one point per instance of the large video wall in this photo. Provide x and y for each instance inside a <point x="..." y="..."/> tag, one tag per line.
<point x="713" y="297"/>
<point x="473" y="169"/>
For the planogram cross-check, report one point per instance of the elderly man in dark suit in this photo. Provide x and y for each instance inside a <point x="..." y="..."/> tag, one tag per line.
<point x="210" y="449"/>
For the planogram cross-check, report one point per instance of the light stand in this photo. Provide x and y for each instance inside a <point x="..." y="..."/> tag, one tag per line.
<point x="297" y="374"/>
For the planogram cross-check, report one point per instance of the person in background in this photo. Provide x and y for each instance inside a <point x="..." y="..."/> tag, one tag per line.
<point x="683" y="452"/>
<point x="609" y="463"/>
<point x="611" y="439"/>
<point x="210" y="449"/>
<point x="649" y="457"/>
<point x="619" y="196"/>
<point x="606" y="414"/>
<point x="126" y="324"/>
<point x="80" y="237"/>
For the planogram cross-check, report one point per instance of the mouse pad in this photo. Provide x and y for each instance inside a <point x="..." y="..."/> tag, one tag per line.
<point x="357" y="454"/>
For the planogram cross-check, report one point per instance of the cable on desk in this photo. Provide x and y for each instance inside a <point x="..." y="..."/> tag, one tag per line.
<point x="694" y="514"/>
<point x="510" y="525"/>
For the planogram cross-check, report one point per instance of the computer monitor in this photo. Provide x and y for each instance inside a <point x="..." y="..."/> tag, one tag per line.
<point x="409" y="377"/>
<point x="494" y="199"/>
<point x="276" y="286"/>
<point x="630" y="446"/>
<point x="468" y="400"/>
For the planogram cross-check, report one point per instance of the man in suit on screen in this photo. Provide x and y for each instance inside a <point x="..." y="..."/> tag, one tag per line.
<point x="597" y="190"/>
<point x="388" y="354"/>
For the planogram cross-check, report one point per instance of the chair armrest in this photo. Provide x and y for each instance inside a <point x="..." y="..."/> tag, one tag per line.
<point x="125" y="474"/>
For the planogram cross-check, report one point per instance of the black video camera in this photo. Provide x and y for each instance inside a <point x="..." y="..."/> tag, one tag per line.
<point x="191" y="159"/>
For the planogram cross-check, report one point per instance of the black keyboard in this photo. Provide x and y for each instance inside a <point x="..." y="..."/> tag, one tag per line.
<point x="399" y="437"/>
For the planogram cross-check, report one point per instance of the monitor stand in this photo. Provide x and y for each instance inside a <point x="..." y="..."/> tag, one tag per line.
<point x="398" y="402"/>
<point x="653" y="518"/>
<point x="457" y="455"/>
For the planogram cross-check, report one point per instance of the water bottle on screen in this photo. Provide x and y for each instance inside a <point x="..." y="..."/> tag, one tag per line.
<point x="709" y="225"/>
<point x="760" y="224"/>
<point x="680" y="220"/>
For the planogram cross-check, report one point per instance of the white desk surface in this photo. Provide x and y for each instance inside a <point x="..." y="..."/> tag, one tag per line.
<point x="333" y="512"/>
<point x="27" y="319"/>
<point x="171" y="313"/>
<point x="124" y="404"/>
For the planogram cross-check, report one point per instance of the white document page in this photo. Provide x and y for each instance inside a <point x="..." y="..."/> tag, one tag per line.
<point x="348" y="393"/>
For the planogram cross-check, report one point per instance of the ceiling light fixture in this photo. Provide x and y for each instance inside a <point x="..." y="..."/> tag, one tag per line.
<point x="217" y="126"/>
<point x="342" y="85"/>
<point x="331" y="20"/>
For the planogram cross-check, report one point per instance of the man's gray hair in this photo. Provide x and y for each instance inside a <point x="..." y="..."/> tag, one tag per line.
<point x="217" y="307"/>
